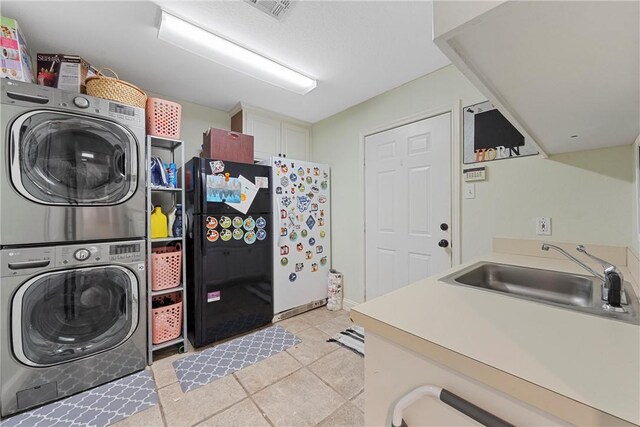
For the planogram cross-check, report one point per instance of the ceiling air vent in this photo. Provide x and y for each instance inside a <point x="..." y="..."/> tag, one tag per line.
<point x="274" y="8"/>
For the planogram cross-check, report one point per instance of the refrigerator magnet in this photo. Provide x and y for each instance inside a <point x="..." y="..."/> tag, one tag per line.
<point x="283" y="231"/>
<point x="312" y="241"/>
<point x="299" y="267"/>
<point x="308" y="170"/>
<point x="261" y="222"/>
<point x="320" y="222"/>
<point x="311" y="222"/>
<point x="213" y="296"/>
<point x="212" y="222"/>
<point x="293" y="277"/>
<point x="299" y="247"/>
<point x="321" y="213"/>
<point x="261" y="234"/>
<point x="225" y="222"/>
<point x="283" y="214"/>
<point x="293" y="177"/>
<point x="319" y="249"/>
<point x="303" y="203"/>
<point x="323" y="260"/>
<point x="212" y="235"/>
<point x="322" y="199"/>
<point x="322" y="234"/>
<point x="225" y="235"/>
<point x="315" y="188"/>
<point x="293" y="190"/>
<point x="284" y="261"/>
<point x="304" y="233"/>
<point x="261" y="181"/>
<point x="284" y="181"/>
<point x="309" y="180"/>
<point x="310" y="195"/>
<point x="325" y="174"/>
<point x="249" y="224"/>
<point x="249" y="237"/>
<point x="237" y="222"/>
<point x="278" y="190"/>
<point x="286" y="201"/>
<point x="284" y="168"/>
<point x="323" y="185"/>
<point x="314" y="207"/>
<point x="314" y="267"/>
<point x="308" y="255"/>
<point x="284" y="250"/>
<point x="217" y="166"/>
<point x="316" y="171"/>
<point x="293" y="236"/>
<point x="300" y="171"/>
<point x="301" y="187"/>
<point x="238" y="233"/>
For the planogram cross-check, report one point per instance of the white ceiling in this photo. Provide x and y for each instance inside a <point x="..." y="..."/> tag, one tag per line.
<point x="355" y="50"/>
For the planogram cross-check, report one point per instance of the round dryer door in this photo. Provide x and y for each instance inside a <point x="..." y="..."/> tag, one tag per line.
<point x="69" y="159"/>
<point x="61" y="316"/>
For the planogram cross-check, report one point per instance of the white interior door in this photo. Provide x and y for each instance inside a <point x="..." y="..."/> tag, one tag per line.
<point x="408" y="197"/>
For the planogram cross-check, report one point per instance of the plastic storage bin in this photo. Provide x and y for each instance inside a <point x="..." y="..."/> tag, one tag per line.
<point x="166" y="320"/>
<point x="166" y="267"/>
<point x="163" y="118"/>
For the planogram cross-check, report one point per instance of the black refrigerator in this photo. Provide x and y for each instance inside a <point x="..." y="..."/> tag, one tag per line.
<point x="229" y="253"/>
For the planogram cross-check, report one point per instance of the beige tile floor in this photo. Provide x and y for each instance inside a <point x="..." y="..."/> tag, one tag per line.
<point x="313" y="383"/>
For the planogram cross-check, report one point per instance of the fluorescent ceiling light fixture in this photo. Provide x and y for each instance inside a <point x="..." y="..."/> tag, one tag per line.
<point x="208" y="45"/>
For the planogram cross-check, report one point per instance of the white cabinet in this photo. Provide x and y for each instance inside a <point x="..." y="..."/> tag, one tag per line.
<point x="273" y="135"/>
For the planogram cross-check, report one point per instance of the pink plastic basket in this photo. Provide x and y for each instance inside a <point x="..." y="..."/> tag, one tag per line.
<point x="167" y="320"/>
<point x="166" y="267"/>
<point x="163" y="118"/>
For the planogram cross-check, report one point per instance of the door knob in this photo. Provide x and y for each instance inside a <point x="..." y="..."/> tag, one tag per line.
<point x="444" y="226"/>
<point x="443" y="243"/>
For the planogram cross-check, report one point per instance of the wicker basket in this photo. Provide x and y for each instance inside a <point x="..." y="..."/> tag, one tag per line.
<point x="166" y="321"/>
<point x="166" y="267"/>
<point x="115" y="89"/>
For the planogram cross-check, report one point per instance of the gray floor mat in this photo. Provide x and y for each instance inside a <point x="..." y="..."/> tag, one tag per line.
<point x="100" y="406"/>
<point x="202" y="368"/>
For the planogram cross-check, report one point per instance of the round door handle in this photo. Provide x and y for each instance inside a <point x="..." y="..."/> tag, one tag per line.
<point x="444" y="226"/>
<point x="443" y="243"/>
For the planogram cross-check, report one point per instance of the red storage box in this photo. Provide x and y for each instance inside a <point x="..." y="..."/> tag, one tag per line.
<point x="228" y="146"/>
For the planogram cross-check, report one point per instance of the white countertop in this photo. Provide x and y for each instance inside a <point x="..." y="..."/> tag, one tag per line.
<point x="591" y="359"/>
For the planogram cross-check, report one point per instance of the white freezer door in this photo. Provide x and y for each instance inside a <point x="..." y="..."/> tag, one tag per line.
<point x="302" y="238"/>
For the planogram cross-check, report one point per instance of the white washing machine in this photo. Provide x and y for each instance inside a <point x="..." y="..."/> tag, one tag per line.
<point x="73" y="317"/>
<point x="73" y="167"/>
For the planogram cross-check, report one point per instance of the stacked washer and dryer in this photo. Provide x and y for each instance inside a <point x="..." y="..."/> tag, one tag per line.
<point x="72" y="227"/>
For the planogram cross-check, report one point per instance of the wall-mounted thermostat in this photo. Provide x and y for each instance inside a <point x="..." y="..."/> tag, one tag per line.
<point x="475" y="174"/>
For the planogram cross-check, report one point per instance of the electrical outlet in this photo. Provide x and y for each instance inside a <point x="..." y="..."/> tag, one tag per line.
<point x="543" y="226"/>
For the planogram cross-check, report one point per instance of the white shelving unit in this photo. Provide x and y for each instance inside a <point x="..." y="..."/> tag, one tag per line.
<point x="170" y="151"/>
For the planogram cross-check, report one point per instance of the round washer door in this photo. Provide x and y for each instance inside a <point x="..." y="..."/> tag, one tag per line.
<point x="65" y="315"/>
<point x="68" y="159"/>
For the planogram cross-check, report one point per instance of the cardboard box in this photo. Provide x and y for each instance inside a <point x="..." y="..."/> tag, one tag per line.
<point x="220" y="144"/>
<point x="15" y="60"/>
<point x="67" y="72"/>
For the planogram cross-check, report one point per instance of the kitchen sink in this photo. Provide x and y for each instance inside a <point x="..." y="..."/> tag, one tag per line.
<point x="571" y="291"/>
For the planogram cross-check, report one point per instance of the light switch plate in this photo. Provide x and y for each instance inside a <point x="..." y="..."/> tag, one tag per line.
<point x="543" y="226"/>
<point x="469" y="191"/>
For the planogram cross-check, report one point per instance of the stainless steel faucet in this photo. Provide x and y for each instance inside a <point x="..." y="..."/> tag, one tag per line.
<point x="612" y="280"/>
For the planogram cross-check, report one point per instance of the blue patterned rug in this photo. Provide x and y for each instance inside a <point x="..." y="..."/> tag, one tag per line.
<point x="99" y="407"/>
<point x="202" y="368"/>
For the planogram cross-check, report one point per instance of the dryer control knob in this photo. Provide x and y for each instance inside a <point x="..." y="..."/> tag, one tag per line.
<point x="81" y="102"/>
<point x="81" y="254"/>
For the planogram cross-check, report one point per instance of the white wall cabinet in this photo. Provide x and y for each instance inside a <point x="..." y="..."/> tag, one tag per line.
<point x="273" y="135"/>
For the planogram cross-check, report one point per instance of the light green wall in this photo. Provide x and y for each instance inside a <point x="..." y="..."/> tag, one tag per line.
<point x="586" y="194"/>
<point x="195" y="120"/>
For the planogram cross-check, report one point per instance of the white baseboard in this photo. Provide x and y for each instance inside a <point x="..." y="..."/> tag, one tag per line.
<point x="348" y="304"/>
